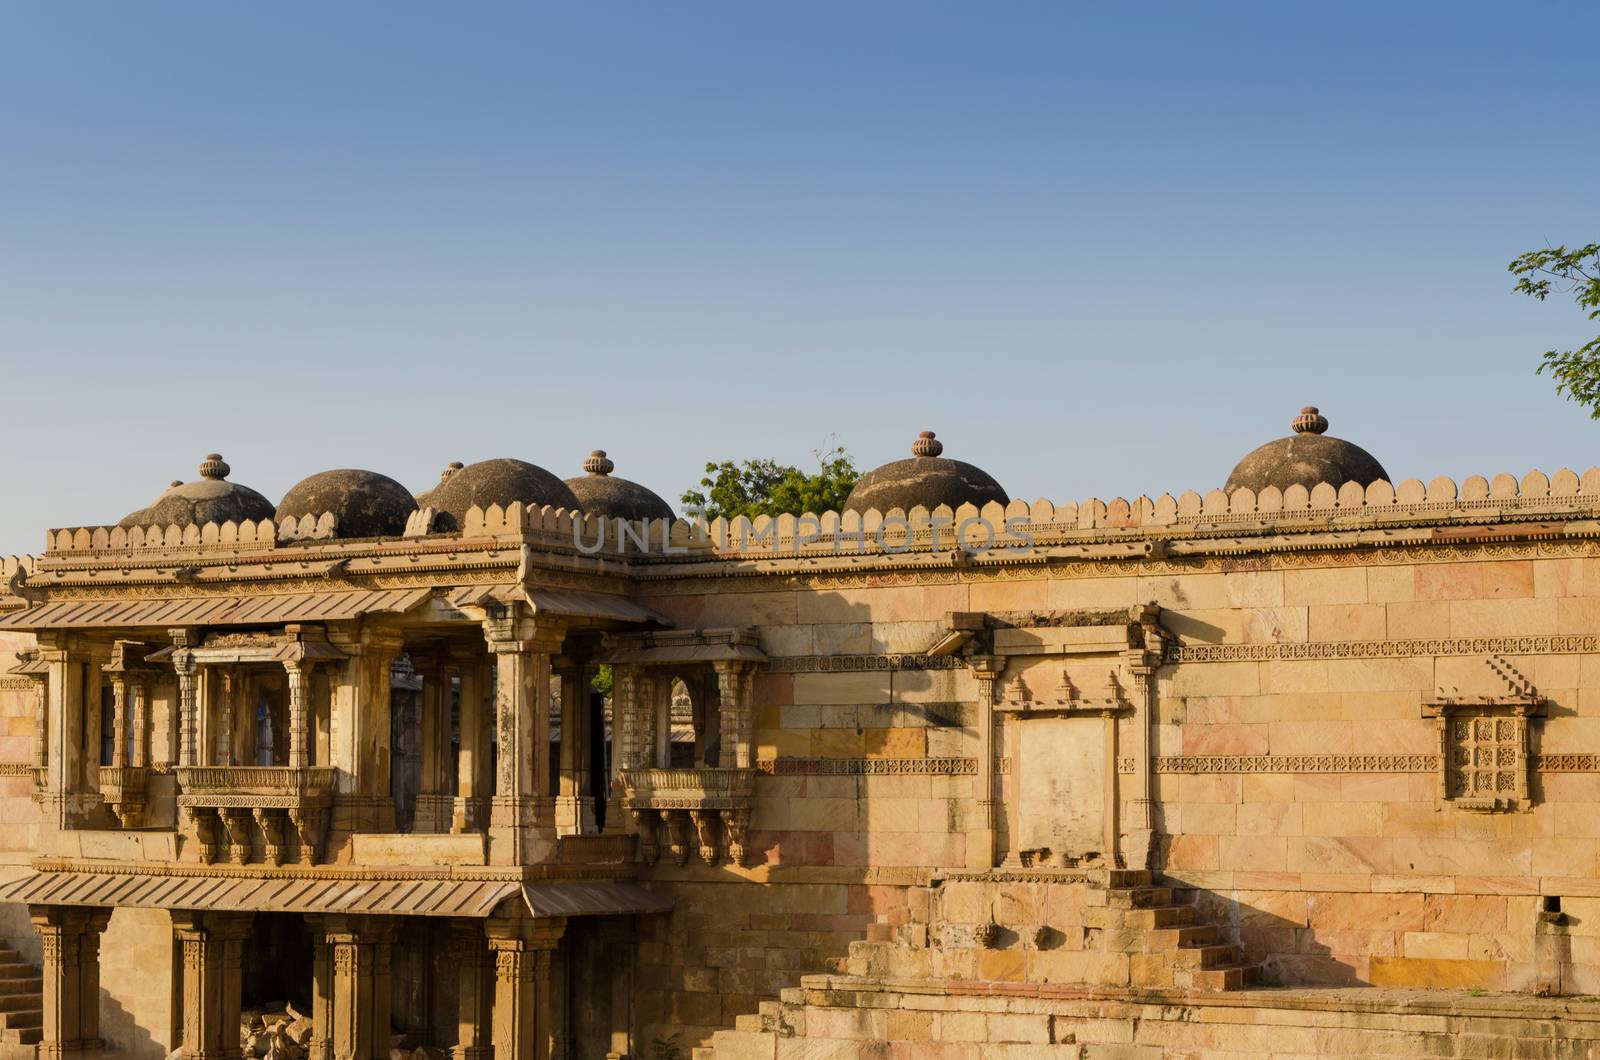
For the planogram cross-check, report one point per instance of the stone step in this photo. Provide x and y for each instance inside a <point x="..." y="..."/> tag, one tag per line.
<point x="1217" y="955"/>
<point x="13" y="1004"/>
<point x="1229" y="977"/>
<point x="23" y="1020"/>
<point x="32" y="984"/>
<point x="1177" y="937"/>
<point x="1128" y="878"/>
<point x="1139" y="897"/>
<point x="749" y="1022"/>
<point x="1165" y="916"/>
<point x="743" y="1045"/>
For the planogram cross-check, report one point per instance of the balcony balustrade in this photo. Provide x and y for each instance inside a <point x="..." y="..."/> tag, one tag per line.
<point x="229" y="797"/>
<point x="714" y="803"/>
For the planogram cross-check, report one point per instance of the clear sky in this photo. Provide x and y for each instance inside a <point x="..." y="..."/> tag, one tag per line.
<point x="1101" y="249"/>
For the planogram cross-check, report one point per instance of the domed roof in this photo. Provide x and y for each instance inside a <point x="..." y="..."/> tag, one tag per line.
<point x="210" y="499"/>
<point x="363" y="503"/>
<point x="1305" y="458"/>
<point x="927" y="479"/>
<point x="600" y="494"/>
<point x="502" y="481"/>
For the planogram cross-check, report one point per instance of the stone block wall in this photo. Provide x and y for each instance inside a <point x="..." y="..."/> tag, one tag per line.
<point x="1297" y="780"/>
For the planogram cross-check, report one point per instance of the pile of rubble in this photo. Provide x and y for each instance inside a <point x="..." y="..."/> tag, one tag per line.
<point x="281" y="1032"/>
<point x="274" y="1034"/>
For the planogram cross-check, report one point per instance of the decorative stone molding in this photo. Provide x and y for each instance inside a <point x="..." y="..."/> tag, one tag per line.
<point x="266" y="794"/>
<point x="1571" y="644"/>
<point x="950" y="767"/>
<point x="1423" y="763"/>
<point x="799" y="664"/>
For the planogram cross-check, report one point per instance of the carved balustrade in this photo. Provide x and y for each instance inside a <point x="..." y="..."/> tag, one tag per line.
<point x="713" y="803"/>
<point x="230" y="797"/>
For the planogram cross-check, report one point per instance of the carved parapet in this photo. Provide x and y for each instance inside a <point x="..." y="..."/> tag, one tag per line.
<point x="715" y="802"/>
<point x="123" y="788"/>
<point x="249" y="787"/>
<point x="265" y="795"/>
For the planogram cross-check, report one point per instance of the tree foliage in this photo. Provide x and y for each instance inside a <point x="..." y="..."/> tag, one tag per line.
<point x="1574" y="271"/>
<point x="766" y="487"/>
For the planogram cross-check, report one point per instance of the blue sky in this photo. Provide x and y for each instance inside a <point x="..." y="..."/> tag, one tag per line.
<point x="1101" y="249"/>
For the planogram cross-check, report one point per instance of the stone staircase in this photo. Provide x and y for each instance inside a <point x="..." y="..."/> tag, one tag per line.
<point x="21" y="1006"/>
<point x="1168" y="946"/>
<point x="1111" y="932"/>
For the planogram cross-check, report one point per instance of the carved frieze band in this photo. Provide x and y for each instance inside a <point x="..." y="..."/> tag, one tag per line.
<point x="1385" y="649"/>
<point x="1420" y="763"/>
<point x="16" y="769"/>
<point x="16" y="684"/>
<point x="784" y="767"/>
<point x="800" y="664"/>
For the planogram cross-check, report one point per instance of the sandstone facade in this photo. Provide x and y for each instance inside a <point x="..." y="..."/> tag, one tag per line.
<point x="999" y="775"/>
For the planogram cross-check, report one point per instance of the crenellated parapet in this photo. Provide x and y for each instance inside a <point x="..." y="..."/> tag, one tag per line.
<point x="1101" y="529"/>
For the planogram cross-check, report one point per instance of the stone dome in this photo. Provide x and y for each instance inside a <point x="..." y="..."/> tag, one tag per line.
<point x="210" y="499"/>
<point x="1307" y="457"/>
<point x="601" y="494"/>
<point x="502" y="481"/>
<point x="927" y="479"/>
<point x="363" y="503"/>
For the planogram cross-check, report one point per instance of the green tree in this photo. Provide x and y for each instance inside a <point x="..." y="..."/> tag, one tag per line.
<point x="766" y="487"/>
<point x="1574" y="271"/>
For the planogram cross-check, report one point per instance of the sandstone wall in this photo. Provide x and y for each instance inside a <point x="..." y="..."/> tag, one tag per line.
<point x="1297" y="780"/>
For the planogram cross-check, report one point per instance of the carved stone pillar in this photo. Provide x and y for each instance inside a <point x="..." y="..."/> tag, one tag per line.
<point x="475" y="1022"/>
<point x="619" y="949"/>
<point x="574" y="807"/>
<point x="624" y="687"/>
<point x="521" y="808"/>
<point x="359" y="1017"/>
<point x="736" y="716"/>
<point x="1139" y="822"/>
<point x="140" y="687"/>
<point x="70" y="943"/>
<point x="362" y="727"/>
<point x="299" y="675"/>
<point x="119" y="720"/>
<point x="980" y="831"/>
<point x="184" y="667"/>
<point x="522" y="1020"/>
<point x="213" y="976"/>
<point x="472" y="763"/>
<point x="321" y="1044"/>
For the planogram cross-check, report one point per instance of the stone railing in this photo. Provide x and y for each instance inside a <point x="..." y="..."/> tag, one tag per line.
<point x="122" y="788"/>
<point x="715" y="803"/>
<point x="234" y="796"/>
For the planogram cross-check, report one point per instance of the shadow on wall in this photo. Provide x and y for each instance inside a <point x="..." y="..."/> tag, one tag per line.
<point x="1383" y="939"/>
<point x="17" y="931"/>
<point x="122" y="1032"/>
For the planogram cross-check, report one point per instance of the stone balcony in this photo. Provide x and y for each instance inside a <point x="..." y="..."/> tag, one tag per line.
<point x="234" y="797"/>
<point x="713" y="803"/>
<point x="123" y="789"/>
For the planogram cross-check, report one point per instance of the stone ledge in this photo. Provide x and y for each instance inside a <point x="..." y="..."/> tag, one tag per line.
<point x="1153" y="1004"/>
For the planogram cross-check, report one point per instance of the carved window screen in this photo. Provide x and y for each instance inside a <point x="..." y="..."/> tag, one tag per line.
<point x="1483" y="754"/>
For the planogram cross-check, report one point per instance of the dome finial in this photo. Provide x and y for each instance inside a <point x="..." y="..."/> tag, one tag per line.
<point x="598" y="463"/>
<point x="213" y="466"/>
<point x="1310" y="421"/>
<point x="926" y="445"/>
<point x="450" y="469"/>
